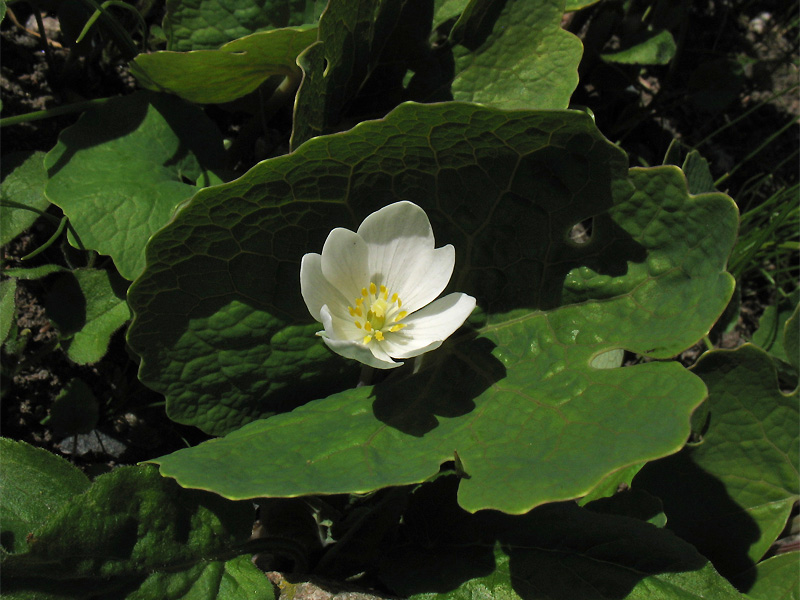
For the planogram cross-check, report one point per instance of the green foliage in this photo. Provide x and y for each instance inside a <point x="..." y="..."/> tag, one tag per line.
<point x="236" y="69"/>
<point x="8" y="290"/>
<point x="520" y="374"/>
<point x="495" y="63"/>
<point x="34" y="484"/>
<point x="776" y="577"/>
<point x="23" y="185"/>
<point x="731" y="494"/>
<point x="557" y="551"/>
<point x="169" y="150"/>
<point x="208" y="24"/>
<point x="88" y="306"/>
<point x="658" y="49"/>
<point x="553" y="407"/>
<point x="130" y="534"/>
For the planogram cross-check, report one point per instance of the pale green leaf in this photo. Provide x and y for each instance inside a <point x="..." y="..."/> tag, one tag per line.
<point x="658" y="49"/>
<point x="236" y="69"/>
<point x="121" y="170"/>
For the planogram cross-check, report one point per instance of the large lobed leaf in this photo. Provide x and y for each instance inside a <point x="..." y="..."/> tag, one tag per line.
<point x="518" y="395"/>
<point x="731" y="494"/>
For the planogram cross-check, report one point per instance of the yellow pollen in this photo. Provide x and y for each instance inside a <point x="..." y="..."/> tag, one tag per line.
<point x="378" y="312"/>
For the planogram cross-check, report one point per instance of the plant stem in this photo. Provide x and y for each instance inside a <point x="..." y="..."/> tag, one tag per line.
<point x="51" y="112"/>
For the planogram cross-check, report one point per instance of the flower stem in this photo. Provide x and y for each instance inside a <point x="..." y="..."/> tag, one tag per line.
<point x="366" y="376"/>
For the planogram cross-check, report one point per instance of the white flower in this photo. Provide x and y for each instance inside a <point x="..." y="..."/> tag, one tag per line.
<point x="374" y="290"/>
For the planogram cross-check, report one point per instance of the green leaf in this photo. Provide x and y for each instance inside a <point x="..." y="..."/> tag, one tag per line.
<point x="130" y="527"/>
<point x="555" y="552"/>
<point x="731" y="494"/>
<point x="351" y="37"/>
<point x="773" y="326"/>
<point x="8" y="307"/>
<point x="515" y="54"/>
<point x="24" y="185"/>
<point x="573" y="5"/>
<point x="658" y="49"/>
<point x="698" y="174"/>
<point x="518" y="390"/>
<point x="235" y="579"/>
<point x="75" y="409"/>
<point x="88" y="306"/>
<point x="34" y="484"/>
<point x="456" y="161"/>
<point x="776" y="577"/>
<point x="207" y="24"/>
<point x="236" y="69"/>
<point x="120" y="171"/>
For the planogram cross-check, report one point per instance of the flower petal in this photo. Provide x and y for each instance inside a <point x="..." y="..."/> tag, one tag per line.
<point x="402" y="256"/>
<point x="317" y="291"/>
<point x="339" y="328"/>
<point x="344" y="262"/>
<point x="361" y="353"/>
<point x="427" y="328"/>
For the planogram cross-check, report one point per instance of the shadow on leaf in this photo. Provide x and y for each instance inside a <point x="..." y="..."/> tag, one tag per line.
<point x="446" y="387"/>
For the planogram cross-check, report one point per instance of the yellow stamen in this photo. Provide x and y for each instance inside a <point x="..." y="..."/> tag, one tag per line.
<point x="359" y="301"/>
<point x="367" y="339"/>
<point x="352" y="311"/>
<point x="364" y="292"/>
<point x="358" y="324"/>
<point x="358" y="311"/>
<point x="394" y="297"/>
<point x="399" y="303"/>
<point x="401" y="315"/>
<point x="394" y="328"/>
<point x="372" y="288"/>
<point x="379" y="335"/>
<point x="368" y="326"/>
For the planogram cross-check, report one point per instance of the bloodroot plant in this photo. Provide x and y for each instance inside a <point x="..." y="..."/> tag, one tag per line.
<point x="497" y="411"/>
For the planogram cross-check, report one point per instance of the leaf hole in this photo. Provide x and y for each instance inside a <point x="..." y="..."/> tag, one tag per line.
<point x="581" y="233"/>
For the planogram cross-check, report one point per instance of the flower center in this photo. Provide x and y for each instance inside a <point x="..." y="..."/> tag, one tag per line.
<point x="377" y="313"/>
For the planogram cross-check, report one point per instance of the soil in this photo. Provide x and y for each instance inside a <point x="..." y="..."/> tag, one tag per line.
<point x="133" y="426"/>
